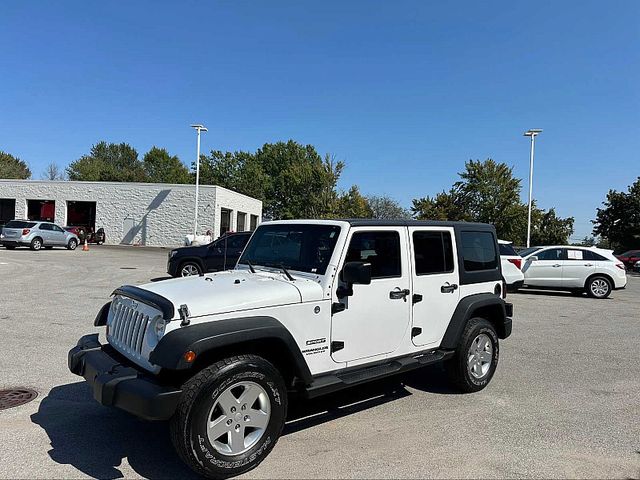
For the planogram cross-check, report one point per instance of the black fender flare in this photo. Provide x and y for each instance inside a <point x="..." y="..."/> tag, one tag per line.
<point x="204" y="337"/>
<point x="466" y="309"/>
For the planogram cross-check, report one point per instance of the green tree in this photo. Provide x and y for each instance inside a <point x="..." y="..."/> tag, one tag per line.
<point x="160" y="167"/>
<point x="488" y="192"/>
<point x="12" y="167"/>
<point x="292" y="180"/>
<point x="385" y="207"/>
<point x="549" y="229"/>
<point x="352" y="204"/>
<point x="108" y="162"/>
<point x="618" y="222"/>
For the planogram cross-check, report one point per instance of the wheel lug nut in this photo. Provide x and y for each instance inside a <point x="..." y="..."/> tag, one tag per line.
<point x="244" y="407"/>
<point x="238" y="427"/>
<point x="233" y="409"/>
<point x="229" y="422"/>
<point x="246" y="418"/>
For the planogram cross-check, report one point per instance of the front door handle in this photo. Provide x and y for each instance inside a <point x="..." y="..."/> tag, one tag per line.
<point x="448" y="288"/>
<point x="588" y="264"/>
<point x="556" y="265"/>
<point x="398" y="294"/>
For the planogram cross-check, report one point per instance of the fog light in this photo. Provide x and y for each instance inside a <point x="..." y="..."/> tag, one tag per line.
<point x="189" y="356"/>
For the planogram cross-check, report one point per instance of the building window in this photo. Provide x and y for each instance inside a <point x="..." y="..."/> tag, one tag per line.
<point x="225" y="221"/>
<point x="242" y="220"/>
<point x="7" y="210"/>
<point x="41" y="210"/>
<point x="254" y="222"/>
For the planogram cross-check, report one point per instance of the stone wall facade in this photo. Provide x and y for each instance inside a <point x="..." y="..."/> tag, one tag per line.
<point x="138" y="213"/>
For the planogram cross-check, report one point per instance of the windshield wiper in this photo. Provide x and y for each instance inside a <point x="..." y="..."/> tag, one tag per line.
<point x="251" y="269"/>
<point x="284" y="270"/>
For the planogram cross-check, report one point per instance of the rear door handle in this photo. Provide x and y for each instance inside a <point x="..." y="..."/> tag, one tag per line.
<point x="588" y="264"/>
<point x="448" y="288"/>
<point x="556" y="265"/>
<point x="398" y="294"/>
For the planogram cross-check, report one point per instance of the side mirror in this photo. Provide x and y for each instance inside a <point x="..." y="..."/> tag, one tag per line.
<point x="354" y="273"/>
<point x="533" y="258"/>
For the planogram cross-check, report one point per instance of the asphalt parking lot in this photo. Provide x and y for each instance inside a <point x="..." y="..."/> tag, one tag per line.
<point x="565" y="401"/>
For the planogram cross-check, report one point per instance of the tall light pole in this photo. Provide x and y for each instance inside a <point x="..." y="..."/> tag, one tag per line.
<point x="199" y="128"/>
<point x="531" y="133"/>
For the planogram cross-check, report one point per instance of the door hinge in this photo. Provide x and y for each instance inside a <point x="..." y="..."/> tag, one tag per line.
<point x="416" y="298"/>
<point x="415" y="331"/>
<point x="337" y="307"/>
<point x="335" y="346"/>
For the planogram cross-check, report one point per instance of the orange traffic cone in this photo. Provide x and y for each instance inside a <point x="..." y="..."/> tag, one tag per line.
<point x="85" y="247"/>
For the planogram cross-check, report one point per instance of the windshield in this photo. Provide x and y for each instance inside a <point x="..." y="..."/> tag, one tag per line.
<point x="303" y="247"/>
<point x="528" y="251"/>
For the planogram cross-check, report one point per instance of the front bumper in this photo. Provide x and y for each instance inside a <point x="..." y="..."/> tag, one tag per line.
<point x="117" y="383"/>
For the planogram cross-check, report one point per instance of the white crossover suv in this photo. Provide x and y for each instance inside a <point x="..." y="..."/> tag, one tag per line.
<point x="511" y="265"/>
<point x="578" y="269"/>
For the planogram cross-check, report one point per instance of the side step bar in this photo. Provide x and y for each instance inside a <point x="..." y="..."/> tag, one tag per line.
<point x="332" y="382"/>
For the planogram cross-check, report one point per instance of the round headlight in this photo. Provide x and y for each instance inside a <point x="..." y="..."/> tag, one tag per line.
<point x="159" y="326"/>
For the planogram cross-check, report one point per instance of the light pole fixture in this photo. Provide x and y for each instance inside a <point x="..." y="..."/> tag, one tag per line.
<point x="532" y="132"/>
<point x="199" y="128"/>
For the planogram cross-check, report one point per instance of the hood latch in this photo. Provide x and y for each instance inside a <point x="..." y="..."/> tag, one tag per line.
<point x="184" y="315"/>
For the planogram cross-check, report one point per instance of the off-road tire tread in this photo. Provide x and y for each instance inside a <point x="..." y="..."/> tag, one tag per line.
<point x="189" y="392"/>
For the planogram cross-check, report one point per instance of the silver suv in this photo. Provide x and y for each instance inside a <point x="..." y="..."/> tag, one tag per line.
<point x="36" y="235"/>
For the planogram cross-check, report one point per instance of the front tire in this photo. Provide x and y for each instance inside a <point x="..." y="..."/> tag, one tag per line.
<point x="73" y="243"/>
<point x="189" y="269"/>
<point x="230" y="416"/>
<point x="476" y="358"/>
<point x="599" y="287"/>
<point x="36" y="244"/>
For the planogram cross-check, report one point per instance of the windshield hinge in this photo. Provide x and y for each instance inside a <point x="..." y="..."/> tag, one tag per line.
<point x="184" y="315"/>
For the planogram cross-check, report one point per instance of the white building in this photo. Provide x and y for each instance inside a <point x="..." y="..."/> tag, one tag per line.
<point x="154" y="214"/>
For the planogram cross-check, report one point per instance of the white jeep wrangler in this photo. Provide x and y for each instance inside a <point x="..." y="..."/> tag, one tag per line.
<point x="313" y="306"/>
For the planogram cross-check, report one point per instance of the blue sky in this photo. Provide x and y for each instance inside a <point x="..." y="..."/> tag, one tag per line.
<point x="404" y="92"/>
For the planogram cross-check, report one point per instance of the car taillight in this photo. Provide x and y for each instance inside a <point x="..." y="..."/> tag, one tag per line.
<point x="25" y="231"/>
<point x="516" y="261"/>
<point x="620" y="265"/>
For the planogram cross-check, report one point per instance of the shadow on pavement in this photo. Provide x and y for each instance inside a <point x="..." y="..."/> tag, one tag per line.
<point x="94" y="439"/>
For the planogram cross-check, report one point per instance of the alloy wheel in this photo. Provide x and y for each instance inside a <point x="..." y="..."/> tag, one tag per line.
<point x="599" y="287"/>
<point x="189" y="270"/>
<point x="480" y="356"/>
<point x="239" y="417"/>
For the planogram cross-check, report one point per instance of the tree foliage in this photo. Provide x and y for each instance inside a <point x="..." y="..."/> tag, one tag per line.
<point x="619" y="220"/>
<point x="108" y="162"/>
<point x="160" y="167"/>
<point x="352" y="204"/>
<point x="13" y="168"/>
<point x="488" y="192"/>
<point x="385" y="207"/>
<point x="291" y="179"/>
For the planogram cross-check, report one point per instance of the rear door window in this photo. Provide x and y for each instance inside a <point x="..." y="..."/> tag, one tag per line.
<point x="433" y="252"/>
<point x="479" y="251"/>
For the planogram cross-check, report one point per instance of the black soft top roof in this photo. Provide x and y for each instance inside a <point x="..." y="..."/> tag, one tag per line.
<point x="367" y="222"/>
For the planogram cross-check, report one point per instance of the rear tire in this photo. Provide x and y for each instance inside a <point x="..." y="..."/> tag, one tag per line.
<point x="36" y="244"/>
<point x="599" y="287"/>
<point x="476" y="358"/>
<point x="211" y="429"/>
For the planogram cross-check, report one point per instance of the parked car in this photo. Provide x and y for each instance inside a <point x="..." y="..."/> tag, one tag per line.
<point x="36" y="235"/>
<point x="511" y="265"/>
<point x="79" y="231"/>
<point x="312" y="307"/>
<point x="629" y="258"/>
<point x="579" y="269"/>
<point x="222" y="254"/>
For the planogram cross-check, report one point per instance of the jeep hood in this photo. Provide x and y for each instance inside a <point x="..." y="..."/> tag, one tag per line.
<point x="234" y="290"/>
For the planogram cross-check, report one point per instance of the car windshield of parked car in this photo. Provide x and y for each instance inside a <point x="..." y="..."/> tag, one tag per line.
<point x="528" y="251"/>
<point x="303" y="247"/>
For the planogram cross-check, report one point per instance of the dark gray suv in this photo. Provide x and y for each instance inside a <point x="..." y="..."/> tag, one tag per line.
<point x="36" y="235"/>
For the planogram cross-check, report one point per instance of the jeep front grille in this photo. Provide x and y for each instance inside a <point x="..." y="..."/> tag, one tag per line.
<point x="128" y="328"/>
